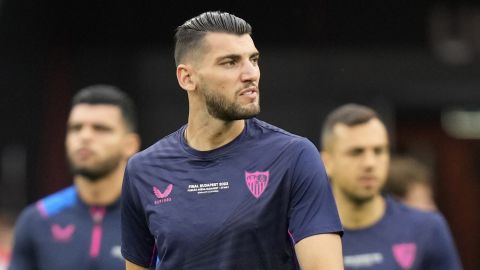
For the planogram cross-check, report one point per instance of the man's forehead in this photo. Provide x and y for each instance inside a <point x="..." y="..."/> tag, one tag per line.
<point x="227" y="43"/>
<point x="95" y="112"/>
<point x="371" y="131"/>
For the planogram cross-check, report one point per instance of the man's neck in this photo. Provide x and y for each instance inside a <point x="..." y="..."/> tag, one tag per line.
<point x="212" y="133"/>
<point x="355" y="215"/>
<point x="102" y="192"/>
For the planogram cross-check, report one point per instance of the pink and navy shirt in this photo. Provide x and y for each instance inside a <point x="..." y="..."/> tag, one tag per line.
<point x="404" y="239"/>
<point x="241" y="206"/>
<point x="61" y="232"/>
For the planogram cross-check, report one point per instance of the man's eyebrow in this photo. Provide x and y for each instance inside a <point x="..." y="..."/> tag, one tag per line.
<point x="229" y="56"/>
<point x="236" y="56"/>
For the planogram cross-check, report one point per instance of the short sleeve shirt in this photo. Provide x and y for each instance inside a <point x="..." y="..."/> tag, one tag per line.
<point x="405" y="238"/>
<point x="61" y="232"/>
<point x="241" y="206"/>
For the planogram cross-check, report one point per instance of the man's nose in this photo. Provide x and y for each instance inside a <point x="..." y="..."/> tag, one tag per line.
<point x="250" y="71"/>
<point x="369" y="159"/>
<point x="86" y="133"/>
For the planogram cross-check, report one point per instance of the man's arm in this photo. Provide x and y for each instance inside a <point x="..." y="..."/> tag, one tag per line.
<point x="320" y="252"/>
<point x="442" y="253"/>
<point x="132" y="266"/>
<point x="23" y="253"/>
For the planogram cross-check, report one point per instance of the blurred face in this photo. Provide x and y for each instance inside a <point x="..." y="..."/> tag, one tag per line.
<point x="96" y="136"/>
<point x="420" y="196"/>
<point x="358" y="160"/>
<point x="228" y="76"/>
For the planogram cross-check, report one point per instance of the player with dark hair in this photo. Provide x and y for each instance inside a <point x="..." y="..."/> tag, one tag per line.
<point x="411" y="182"/>
<point x="380" y="233"/>
<point x="227" y="191"/>
<point x="79" y="227"/>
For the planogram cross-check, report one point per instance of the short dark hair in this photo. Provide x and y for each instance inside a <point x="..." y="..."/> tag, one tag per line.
<point x="109" y="95"/>
<point x="189" y="35"/>
<point x="350" y="114"/>
<point x="404" y="172"/>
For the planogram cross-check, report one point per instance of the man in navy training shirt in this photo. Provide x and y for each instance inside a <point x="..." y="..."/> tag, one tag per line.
<point x="227" y="191"/>
<point x="78" y="228"/>
<point x="380" y="233"/>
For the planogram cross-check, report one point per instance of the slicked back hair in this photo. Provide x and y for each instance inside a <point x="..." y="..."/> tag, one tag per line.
<point x="102" y="94"/>
<point x="189" y="35"/>
<point x="350" y="114"/>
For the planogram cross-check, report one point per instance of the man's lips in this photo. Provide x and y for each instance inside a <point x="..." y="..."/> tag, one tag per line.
<point x="84" y="153"/>
<point x="251" y="91"/>
<point x="368" y="180"/>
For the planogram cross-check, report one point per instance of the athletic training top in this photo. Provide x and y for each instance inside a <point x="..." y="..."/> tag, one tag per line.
<point x="240" y="206"/>
<point x="61" y="232"/>
<point x="404" y="239"/>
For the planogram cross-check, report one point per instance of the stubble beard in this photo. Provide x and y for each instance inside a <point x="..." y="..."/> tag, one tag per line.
<point x="358" y="199"/>
<point x="97" y="171"/>
<point x="219" y="107"/>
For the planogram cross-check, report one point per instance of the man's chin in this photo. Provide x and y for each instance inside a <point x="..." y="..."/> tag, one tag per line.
<point x="88" y="173"/>
<point x="362" y="198"/>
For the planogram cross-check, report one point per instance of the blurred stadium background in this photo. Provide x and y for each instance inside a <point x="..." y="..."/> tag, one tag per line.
<point x="417" y="62"/>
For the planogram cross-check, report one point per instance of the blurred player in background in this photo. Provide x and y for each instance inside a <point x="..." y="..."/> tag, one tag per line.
<point x="380" y="233"/>
<point x="78" y="228"/>
<point x="410" y="181"/>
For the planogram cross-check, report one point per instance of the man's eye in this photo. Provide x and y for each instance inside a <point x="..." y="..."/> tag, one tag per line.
<point x="356" y="152"/>
<point x="74" y="128"/>
<point x="102" y="128"/>
<point x="229" y="63"/>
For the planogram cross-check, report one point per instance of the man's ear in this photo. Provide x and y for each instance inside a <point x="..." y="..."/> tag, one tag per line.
<point x="327" y="161"/>
<point x="185" y="77"/>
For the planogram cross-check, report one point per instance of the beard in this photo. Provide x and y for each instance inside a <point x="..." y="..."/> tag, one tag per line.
<point x="96" y="172"/>
<point x="219" y="107"/>
<point x="358" y="199"/>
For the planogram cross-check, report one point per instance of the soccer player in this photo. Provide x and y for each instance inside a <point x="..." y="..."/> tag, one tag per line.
<point x="78" y="228"/>
<point x="380" y="233"/>
<point x="410" y="181"/>
<point x="227" y="191"/>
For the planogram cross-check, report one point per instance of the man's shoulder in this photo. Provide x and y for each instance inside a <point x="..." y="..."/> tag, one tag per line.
<point x="57" y="202"/>
<point x="50" y="205"/>
<point x="267" y="127"/>
<point x="166" y="144"/>
<point x="272" y="132"/>
<point x="418" y="218"/>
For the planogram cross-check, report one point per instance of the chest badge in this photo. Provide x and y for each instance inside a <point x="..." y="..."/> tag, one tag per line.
<point x="257" y="182"/>
<point x="405" y="254"/>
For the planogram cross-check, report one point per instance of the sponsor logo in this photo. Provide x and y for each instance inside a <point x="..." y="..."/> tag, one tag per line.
<point x="405" y="254"/>
<point x="116" y="252"/>
<point x="363" y="260"/>
<point x="257" y="182"/>
<point x="62" y="234"/>
<point x="163" y="197"/>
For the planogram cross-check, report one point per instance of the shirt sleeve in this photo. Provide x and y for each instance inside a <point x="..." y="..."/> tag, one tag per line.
<point x="442" y="254"/>
<point x="138" y="245"/>
<point x="23" y="254"/>
<point x="312" y="206"/>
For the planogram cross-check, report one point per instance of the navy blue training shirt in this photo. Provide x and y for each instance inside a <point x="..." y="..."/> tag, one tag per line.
<point x="404" y="239"/>
<point x="241" y="206"/>
<point x="61" y="232"/>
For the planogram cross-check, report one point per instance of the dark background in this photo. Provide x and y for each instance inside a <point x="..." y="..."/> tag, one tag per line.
<point x="413" y="61"/>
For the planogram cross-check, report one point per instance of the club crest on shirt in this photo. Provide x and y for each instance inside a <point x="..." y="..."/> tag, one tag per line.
<point x="62" y="234"/>
<point x="163" y="197"/>
<point x="405" y="254"/>
<point x="257" y="182"/>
